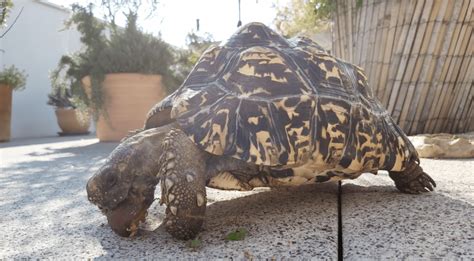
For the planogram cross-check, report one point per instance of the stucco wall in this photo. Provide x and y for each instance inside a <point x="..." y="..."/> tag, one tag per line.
<point x="35" y="43"/>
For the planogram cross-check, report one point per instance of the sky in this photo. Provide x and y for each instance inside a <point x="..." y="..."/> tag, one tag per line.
<point x="174" y="19"/>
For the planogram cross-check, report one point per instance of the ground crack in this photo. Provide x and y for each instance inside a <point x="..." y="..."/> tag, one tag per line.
<point x="340" y="250"/>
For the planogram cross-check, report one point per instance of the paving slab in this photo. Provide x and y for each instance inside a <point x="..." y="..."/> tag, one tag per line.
<point x="381" y="223"/>
<point x="45" y="213"/>
<point x="450" y="175"/>
<point x="384" y="225"/>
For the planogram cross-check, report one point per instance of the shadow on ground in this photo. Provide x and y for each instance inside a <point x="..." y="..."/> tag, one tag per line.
<point x="301" y="223"/>
<point x="46" y="215"/>
<point x="280" y="223"/>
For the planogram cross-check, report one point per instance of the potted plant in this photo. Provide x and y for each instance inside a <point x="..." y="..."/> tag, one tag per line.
<point x="11" y="79"/>
<point x="119" y="75"/>
<point x="71" y="120"/>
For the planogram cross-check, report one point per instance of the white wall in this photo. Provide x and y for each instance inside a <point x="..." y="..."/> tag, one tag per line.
<point x="35" y="44"/>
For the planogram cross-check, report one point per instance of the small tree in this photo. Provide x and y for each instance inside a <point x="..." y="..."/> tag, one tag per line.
<point x="304" y="16"/>
<point x="128" y="7"/>
<point x="123" y="50"/>
<point x="5" y="6"/>
<point x="187" y="58"/>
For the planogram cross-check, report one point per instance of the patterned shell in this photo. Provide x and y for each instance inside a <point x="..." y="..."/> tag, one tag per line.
<point x="270" y="101"/>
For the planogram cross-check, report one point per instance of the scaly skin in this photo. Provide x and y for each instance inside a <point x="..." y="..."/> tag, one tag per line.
<point x="183" y="185"/>
<point x="124" y="187"/>
<point x="412" y="180"/>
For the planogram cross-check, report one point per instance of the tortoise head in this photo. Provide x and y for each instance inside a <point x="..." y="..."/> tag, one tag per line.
<point x="123" y="188"/>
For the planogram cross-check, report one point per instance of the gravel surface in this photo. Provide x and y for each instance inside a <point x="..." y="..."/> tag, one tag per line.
<point x="379" y="222"/>
<point x="45" y="213"/>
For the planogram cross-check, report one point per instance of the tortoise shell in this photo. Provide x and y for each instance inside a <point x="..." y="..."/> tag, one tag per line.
<point x="266" y="100"/>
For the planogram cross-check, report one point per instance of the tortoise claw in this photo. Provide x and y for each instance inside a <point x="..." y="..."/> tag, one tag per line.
<point x="423" y="183"/>
<point x="409" y="182"/>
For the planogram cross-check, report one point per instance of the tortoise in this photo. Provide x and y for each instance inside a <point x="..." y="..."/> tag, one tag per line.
<point x="256" y="111"/>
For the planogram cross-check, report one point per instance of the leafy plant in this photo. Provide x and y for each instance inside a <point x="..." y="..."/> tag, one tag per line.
<point x="197" y="44"/>
<point x="61" y="99"/>
<point x="304" y="16"/>
<point x="187" y="58"/>
<point x="13" y="77"/>
<point x="131" y="50"/>
<point x="84" y="63"/>
<point x="60" y="95"/>
<point x="238" y="234"/>
<point x="121" y="50"/>
<point x="5" y="7"/>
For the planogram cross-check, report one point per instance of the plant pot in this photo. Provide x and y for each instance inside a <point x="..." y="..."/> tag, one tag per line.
<point x="5" y="112"/>
<point x="128" y="98"/>
<point x="71" y="122"/>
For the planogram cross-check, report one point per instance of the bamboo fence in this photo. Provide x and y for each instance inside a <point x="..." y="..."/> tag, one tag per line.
<point x="418" y="56"/>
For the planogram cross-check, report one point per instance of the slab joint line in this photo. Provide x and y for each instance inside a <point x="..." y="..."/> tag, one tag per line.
<point x="340" y="249"/>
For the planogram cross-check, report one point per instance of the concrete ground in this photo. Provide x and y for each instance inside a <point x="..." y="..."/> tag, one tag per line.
<point x="45" y="214"/>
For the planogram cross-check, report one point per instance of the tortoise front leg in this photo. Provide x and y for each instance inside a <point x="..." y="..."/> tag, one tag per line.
<point x="183" y="183"/>
<point x="413" y="179"/>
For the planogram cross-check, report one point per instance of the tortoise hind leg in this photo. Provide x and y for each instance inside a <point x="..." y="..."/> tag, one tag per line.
<point x="183" y="188"/>
<point x="413" y="179"/>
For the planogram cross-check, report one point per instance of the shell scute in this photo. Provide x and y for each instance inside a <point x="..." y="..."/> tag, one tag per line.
<point x="262" y="72"/>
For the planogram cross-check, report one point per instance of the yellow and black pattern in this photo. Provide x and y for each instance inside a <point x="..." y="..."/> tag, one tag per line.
<point x="255" y="34"/>
<point x="285" y="104"/>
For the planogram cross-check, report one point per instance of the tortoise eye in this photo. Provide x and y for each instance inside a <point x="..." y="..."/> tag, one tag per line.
<point x="111" y="180"/>
<point x="134" y="191"/>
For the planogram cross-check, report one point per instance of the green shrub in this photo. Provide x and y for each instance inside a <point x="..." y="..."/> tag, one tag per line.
<point x="61" y="98"/>
<point x="13" y="77"/>
<point x="123" y="50"/>
<point x="185" y="59"/>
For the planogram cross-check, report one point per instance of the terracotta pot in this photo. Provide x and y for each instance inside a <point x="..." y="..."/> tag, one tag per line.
<point x="5" y="112"/>
<point x="71" y="122"/>
<point x="128" y="98"/>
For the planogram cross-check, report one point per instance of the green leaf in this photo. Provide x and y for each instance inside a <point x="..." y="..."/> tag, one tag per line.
<point x="194" y="243"/>
<point x="236" y="235"/>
